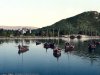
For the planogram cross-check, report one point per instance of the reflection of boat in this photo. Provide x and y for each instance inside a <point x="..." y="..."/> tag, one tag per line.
<point x="57" y="55"/>
<point x="57" y="52"/>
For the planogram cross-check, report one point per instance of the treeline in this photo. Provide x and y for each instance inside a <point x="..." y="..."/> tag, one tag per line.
<point x="14" y="33"/>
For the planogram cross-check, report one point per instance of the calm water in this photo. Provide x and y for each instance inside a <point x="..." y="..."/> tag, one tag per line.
<point x="40" y="61"/>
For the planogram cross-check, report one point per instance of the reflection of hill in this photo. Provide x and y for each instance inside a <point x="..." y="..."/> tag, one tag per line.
<point x="82" y="51"/>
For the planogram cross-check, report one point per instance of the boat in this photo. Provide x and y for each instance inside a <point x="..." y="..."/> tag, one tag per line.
<point x="56" y="49"/>
<point x="46" y="45"/>
<point x="23" y="48"/>
<point x="52" y="45"/>
<point x="72" y="37"/>
<point x="91" y="46"/>
<point x="57" y="52"/>
<point x="79" y="37"/>
<point x="97" y="43"/>
<point x="49" y="45"/>
<point x="37" y="43"/>
<point x="69" y="46"/>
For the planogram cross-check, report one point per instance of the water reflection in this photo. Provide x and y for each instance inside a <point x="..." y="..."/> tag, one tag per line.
<point x="43" y="52"/>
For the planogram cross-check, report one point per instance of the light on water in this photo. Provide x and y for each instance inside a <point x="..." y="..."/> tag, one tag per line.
<point x="41" y="61"/>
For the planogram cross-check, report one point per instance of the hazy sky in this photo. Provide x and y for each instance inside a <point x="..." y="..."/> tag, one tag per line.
<point x="41" y="13"/>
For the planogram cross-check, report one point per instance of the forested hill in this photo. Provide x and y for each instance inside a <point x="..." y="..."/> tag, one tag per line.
<point x="84" y="23"/>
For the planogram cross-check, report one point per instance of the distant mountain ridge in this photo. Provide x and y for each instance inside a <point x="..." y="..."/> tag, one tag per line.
<point x="17" y="27"/>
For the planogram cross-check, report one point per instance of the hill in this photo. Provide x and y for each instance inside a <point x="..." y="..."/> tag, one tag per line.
<point x="87" y="23"/>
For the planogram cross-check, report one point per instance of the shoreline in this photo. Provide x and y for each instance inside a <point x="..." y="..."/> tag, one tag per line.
<point x="94" y="37"/>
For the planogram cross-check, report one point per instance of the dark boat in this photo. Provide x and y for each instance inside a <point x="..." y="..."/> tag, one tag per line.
<point x="57" y="52"/>
<point x="52" y="45"/>
<point x="69" y="46"/>
<point x="46" y="45"/>
<point x="22" y="49"/>
<point x="49" y="45"/>
<point x="79" y="37"/>
<point x="72" y="37"/>
<point x="97" y="43"/>
<point x="91" y="46"/>
<point x="37" y="43"/>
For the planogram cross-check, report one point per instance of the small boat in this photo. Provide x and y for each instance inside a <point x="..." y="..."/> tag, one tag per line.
<point x="67" y="46"/>
<point x="46" y="45"/>
<point x="23" y="48"/>
<point x="37" y="43"/>
<point x="70" y="46"/>
<point x="72" y="37"/>
<point x="49" y="45"/>
<point x="91" y="46"/>
<point x="52" y="45"/>
<point x="97" y="43"/>
<point x="55" y="50"/>
<point x="79" y="37"/>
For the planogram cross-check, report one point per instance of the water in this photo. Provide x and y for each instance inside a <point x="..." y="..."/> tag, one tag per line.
<point x="40" y="61"/>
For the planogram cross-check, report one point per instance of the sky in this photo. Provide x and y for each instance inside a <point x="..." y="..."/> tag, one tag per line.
<point x="40" y="13"/>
